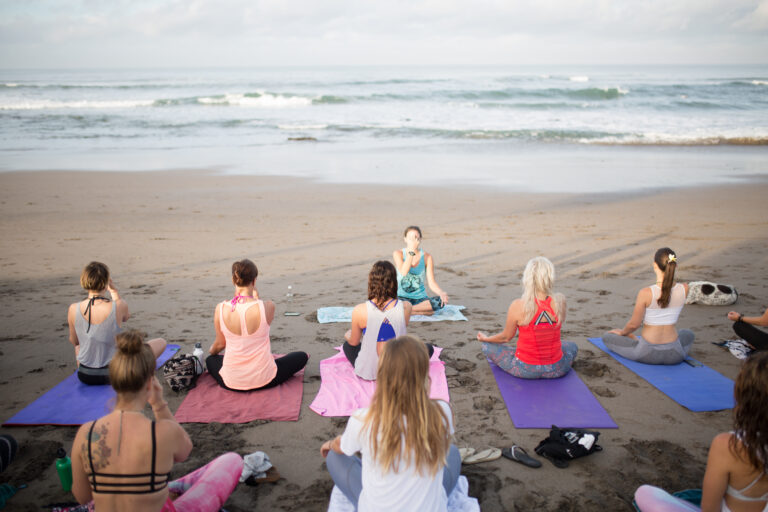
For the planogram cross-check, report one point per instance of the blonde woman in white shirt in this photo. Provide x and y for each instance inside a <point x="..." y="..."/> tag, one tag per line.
<point x="657" y="309"/>
<point x="408" y="462"/>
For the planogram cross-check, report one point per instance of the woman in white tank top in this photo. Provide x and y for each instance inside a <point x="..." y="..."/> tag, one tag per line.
<point x="736" y="479"/>
<point x="657" y="309"/>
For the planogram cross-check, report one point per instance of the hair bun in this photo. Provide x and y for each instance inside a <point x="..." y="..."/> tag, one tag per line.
<point x="130" y="342"/>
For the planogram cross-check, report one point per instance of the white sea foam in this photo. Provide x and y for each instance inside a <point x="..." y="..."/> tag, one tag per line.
<point x="259" y="100"/>
<point x="51" y="104"/>
<point x="11" y="84"/>
<point x="302" y="126"/>
<point x="759" y="82"/>
<point x="580" y="78"/>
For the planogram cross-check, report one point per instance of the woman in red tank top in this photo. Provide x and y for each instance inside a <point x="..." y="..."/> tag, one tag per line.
<point x="538" y="316"/>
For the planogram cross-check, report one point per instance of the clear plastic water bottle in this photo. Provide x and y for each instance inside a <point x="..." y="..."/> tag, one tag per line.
<point x="198" y="353"/>
<point x="64" y="469"/>
<point x="289" y="302"/>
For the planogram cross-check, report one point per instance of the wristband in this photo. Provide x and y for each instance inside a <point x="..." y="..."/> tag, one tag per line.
<point x="412" y="253"/>
<point x="741" y="318"/>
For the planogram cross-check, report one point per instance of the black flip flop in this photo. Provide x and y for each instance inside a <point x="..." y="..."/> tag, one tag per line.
<point x="559" y="463"/>
<point x="518" y="454"/>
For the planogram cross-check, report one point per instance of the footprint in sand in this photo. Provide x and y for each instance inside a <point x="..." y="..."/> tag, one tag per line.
<point x="484" y="403"/>
<point x="605" y="392"/>
<point x="591" y="368"/>
<point x="461" y="365"/>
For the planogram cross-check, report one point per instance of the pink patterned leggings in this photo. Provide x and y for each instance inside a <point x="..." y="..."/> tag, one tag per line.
<point x="207" y="488"/>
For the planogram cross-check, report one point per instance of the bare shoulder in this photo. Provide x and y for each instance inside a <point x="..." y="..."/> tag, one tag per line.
<point x="397" y="255"/>
<point x="721" y="445"/>
<point x="269" y="306"/>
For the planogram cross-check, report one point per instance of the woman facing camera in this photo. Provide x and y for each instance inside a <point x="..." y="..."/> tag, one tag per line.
<point x="408" y="462"/>
<point x="123" y="460"/>
<point x="657" y="309"/>
<point x="536" y="318"/>
<point x="242" y="328"/>
<point x="736" y="478"/>
<point x="414" y="268"/>
<point x="381" y="318"/>
<point x="94" y="322"/>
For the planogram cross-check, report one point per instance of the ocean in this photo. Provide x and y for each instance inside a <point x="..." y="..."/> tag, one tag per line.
<point x="590" y="128"/>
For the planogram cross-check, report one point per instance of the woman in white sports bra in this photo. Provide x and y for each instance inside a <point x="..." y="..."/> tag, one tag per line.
<point x="736" y="479"/>
<point x="657" y="309"/>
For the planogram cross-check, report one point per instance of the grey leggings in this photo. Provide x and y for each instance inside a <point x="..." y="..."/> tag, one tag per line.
<point x="651" y="353"/>
<point x="347" y="473"/>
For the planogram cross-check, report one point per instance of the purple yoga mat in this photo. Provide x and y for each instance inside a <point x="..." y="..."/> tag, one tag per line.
<point x="541" y="403"/>
<point x="71" y="402"/>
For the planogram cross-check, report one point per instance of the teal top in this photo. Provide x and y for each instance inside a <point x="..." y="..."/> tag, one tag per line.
<point x="411" y="286"/>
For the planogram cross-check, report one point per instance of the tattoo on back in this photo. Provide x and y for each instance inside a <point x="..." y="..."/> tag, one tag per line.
<point x="99" y="450"/>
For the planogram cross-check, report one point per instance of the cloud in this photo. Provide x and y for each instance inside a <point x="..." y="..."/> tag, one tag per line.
<point x="263" y="32"/>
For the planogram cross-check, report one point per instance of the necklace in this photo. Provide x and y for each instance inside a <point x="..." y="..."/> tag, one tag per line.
<point x="120" y="432"/>
<point x="240" y="299"/>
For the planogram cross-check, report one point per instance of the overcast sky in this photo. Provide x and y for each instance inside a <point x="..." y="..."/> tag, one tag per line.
<point x="193" y="33"/>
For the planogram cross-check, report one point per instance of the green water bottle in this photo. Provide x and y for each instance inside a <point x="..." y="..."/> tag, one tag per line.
<point x="64" y="469"/>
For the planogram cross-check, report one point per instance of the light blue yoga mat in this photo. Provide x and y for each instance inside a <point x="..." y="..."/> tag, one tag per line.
<point x="344" y="314"/>
<point x="73" y="403"/>
<point x="696" y="388"/>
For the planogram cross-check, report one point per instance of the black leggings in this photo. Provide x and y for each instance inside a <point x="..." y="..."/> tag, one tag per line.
<point x="351" y="351"/>
<point x="93" y="376"/>
<point x="287" y="366"/>
<point x="748" y="332"/>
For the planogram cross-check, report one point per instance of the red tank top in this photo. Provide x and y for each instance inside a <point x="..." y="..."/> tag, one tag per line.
<point x="539" y="341"/>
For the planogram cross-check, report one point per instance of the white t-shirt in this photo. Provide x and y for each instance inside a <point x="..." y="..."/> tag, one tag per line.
<point x="404" y="490"/>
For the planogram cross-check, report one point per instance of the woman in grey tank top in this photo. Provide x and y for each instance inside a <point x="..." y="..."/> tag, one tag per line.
<point x="94" y="323"/>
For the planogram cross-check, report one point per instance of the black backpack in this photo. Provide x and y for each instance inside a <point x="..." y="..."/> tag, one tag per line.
<point x="568" y="444"/>
<point x="181" y="372"/>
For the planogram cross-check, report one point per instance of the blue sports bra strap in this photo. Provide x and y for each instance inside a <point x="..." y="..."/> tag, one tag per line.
<point x="154" y="448"/>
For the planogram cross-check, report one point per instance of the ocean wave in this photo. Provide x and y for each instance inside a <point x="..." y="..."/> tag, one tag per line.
<point x="678" y="140"/>
<point x="578" y="78"/>
<point x="256" y="100"/>
<point x="302" y="127"/>
<point x="85" y="104"/>
<point x="759" y="82"/>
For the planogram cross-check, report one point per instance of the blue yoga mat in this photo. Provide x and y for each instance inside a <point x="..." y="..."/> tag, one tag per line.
<point x="451" y="312"/>
<point x="696" y="388"/>
<point x="540" y="403"/>
<point x="73" y="403"/>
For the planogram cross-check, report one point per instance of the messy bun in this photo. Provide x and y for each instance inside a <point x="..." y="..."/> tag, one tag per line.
<point x="244" y="272"/>
<point x="133" y="364"/>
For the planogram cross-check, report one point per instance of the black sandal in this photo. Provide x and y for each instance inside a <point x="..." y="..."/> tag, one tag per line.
<point x="518" y="454"/>
<point x="559" y="463"/>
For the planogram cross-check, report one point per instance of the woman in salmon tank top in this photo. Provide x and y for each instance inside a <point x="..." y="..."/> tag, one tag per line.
<point x="242" y="333"/>
<point x="536" y="318"/>
<point x="657" y="309"/>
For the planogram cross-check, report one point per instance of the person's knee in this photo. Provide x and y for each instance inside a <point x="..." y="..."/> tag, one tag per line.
<point x="157" y="345"/>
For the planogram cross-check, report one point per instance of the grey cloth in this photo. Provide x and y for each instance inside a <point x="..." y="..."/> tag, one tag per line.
<point x="650" y="353"/>
<point x="97" y="345"/>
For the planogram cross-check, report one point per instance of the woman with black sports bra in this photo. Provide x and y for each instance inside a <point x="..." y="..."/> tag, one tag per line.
<point x="123" y="460"/>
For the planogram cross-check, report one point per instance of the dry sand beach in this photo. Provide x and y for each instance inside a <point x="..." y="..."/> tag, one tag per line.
<point x="170" y="238"/>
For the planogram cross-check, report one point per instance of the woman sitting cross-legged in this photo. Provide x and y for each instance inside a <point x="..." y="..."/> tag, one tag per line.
<point x="242" y="328"/>
<point x="415" y="268"/>
<point x="657" y="308"/>
<point x="381" y="318"/>
<point x="744" y="326"/>
<point x="538" y="316"/>
<point x="736" y="478"/>
<point x="408" y="462"/>
<point x="122" y="461"/>
<point x="94" y="322"/>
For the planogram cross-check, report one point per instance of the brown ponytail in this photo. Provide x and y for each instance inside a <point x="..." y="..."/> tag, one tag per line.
<point x="244" y="272"/>
<point x="666" y="260"/>
<point x="133" y="364"/>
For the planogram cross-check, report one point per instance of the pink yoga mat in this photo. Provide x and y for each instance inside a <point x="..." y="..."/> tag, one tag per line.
<point x="209" y="402"/>
<point x="342" y="392"/>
